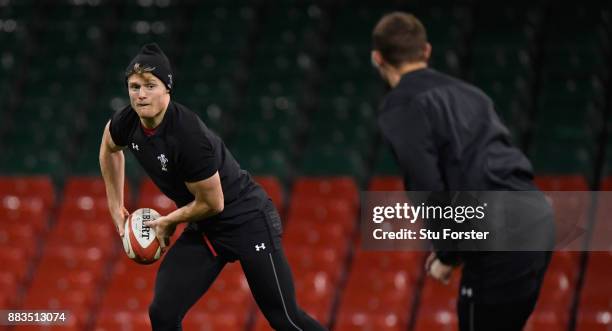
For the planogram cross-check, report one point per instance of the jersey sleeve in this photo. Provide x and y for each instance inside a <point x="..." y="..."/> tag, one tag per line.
<point x="119" y="127"/>
<point x="197" y="156"/>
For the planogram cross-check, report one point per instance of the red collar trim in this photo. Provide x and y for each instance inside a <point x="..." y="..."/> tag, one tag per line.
<point x="148" y="132"/>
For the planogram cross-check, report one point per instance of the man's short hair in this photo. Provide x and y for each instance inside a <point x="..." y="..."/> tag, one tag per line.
<point x="400" y="38"/>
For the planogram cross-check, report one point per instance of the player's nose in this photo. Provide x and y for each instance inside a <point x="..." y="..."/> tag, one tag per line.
<point x="142" y="94"/>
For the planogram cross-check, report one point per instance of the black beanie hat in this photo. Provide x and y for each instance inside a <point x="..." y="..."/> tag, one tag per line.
<point x="151" y="59"/>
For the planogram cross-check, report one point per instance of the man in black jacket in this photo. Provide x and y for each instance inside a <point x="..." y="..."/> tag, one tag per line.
<point x="446" y="137"/>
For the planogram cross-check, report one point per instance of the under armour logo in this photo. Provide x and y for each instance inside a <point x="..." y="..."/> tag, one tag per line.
<point x="135" y="147"/>
<point x="170" y="82"/>
<point x="260" y="246"/>
<point x="467" y="291"/>
<point x="164" y="162"/>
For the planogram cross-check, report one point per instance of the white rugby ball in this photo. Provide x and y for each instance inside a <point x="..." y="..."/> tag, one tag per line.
<point x="139" y="241"/>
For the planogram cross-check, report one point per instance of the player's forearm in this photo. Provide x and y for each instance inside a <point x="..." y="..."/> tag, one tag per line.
<point x="194" y="211"/>
<point x="113" y="172"/>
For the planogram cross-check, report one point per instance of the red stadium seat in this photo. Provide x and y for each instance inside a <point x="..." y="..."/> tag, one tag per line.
<point x="131" y="286"/>
<point x="596" y="294"/>
<point x="37" y="218"/>
<point x="34" y="187"/>
<point x="559" y="284"/>
<point x="9" y="254"/>
<point x="566" y="262"/>
<point x="274" y="189"/>
<point x="547" y="320"/>
<point x="561" y="183"/>
<point x="594" y="320"/>
<point x="66" y="278"/>
<point x="123" y="321"/>
<point x="386" y="183"/>
<point x="389" y="261"/>
<point x="161" y="203"/>
<point x="229" y="283"/>
<point x="14" y="271"/>
<point x="147" y="187"/>
<point x="318" y="284"/>
<point x="78" y="186"/>
<point x="41" y="297"/>
<point x="69" y="257"/>
<point x="129" y="275"/>
<point x="23" y="237"/>
<point x="355" y="299"/>
<point x="377" y="281"/>
<point x="326" y="187"/>
<point x="360" y="321"/>
<point x="229" y="293"/>
<point x="606" y="184"/>
<point x="436" y="318"/>
<point x="318" y="312"/>
<point x="85" y="199"/>
<point x="557" y="290"/>
<point x="77" y="280"/>
<point x="440" y="296"/>
<point x="83" y="209"/>
<point x="600" y="263"/>
<point x="132" y="301"/>
<point x="305" y="258"/>
<point x="214" y="322"/>
<point x="151" y="197"/>
<point x="315" y="236"/>
<point x="15" y="262"/>
<point x="366" y="302"/>
<point x="69" y="326"/>
<point x="9" y="287"/>
<point x="8" y="279"/>
<point x="16" y="233"/>
<point x="5" y="300"/>
<point x="232" y="301"/>
<point x="54" y="281"/>
<point x="340" y="247"/>
<point x="79" y="231"/>
<point x="323" y="212"/>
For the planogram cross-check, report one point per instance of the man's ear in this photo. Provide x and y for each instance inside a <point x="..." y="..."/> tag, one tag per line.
<point x="377" y="59"/>
<point x="427" y="52"/>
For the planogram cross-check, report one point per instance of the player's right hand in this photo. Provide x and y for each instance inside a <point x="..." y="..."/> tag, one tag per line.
<point x="119" y="217"/>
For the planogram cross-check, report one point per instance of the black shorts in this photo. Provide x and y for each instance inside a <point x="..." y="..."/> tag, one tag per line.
<point x="261" y="234"/>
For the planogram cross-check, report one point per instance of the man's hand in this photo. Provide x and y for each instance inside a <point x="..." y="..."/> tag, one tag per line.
<point x="119" y="218"/>
<point x="163" y="230"/>
<point x="437" y="269"/>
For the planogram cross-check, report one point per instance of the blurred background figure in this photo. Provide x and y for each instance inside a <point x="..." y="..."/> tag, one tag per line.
<point x="290" y="89"/>
<point x="447" y="138"/>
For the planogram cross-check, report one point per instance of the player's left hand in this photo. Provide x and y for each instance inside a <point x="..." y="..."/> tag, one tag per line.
<point x="438" y="270"/>
<point x="164" y="228"/>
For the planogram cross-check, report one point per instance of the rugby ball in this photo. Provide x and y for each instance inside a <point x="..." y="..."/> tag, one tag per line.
<point x="139" y="241"/>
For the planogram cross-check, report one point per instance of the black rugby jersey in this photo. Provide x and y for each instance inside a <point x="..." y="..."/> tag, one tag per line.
<point x="182" y="149"/>
<point x="446" y="136"/>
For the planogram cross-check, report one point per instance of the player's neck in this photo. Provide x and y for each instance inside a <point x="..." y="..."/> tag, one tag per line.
<point x="395" y="76"/>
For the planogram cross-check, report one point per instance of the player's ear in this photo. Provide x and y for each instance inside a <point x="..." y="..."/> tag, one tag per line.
<point x="427" y="52"/>
<point x="377" y="59"/>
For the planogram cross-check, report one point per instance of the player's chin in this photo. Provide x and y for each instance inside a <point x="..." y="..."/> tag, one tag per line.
<point x="145" y="112"/>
